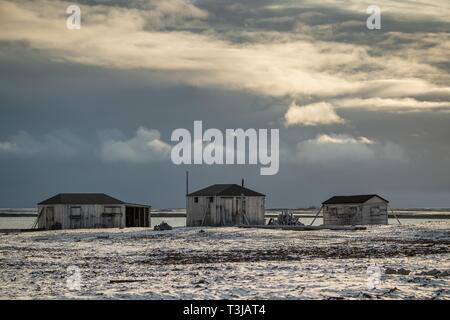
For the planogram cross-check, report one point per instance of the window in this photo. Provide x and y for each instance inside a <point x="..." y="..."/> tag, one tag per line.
<point x="75" y="212"/>
<point x="211" y="199"/>
<point x="195" y="199"/>
<point x="375" y="211"/>
<point x="352" y="210"/>
<point x="111" y="210"/>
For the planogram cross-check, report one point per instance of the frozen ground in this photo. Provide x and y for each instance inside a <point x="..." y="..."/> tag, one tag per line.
<point x="230" y="263"/>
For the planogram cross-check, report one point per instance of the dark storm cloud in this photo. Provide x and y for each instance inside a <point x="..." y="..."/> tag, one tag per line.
<point x="67" y="104"/>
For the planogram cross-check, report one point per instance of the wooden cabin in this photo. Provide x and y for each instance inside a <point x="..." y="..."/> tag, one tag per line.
<point x="224" y="205"/>
<point x="90" y="210"/>
<point x="355" y="210"/>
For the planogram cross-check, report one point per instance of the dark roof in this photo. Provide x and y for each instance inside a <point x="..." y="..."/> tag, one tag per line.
<point x="352" y="199"/>
<point x="82" y="198"/>
<point x="226" y="190"/>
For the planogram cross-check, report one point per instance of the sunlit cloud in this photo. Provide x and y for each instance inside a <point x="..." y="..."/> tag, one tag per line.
<point x="341" y="139"/>
<point x="146" y="146"/>
<point x="295" y="66"/>
<point x="310" y="115"/>
<point x="389" y="104"/>
<point x="56" y="144"/>
<point x="340" y="149"/>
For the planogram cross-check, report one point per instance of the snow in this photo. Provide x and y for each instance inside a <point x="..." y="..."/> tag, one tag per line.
<point x="228" y="263"/>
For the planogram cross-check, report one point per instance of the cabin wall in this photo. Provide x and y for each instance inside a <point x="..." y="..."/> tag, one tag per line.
<point x="66" y="216"/>
<point x="196" y="211"/>
<point x="220" y="211"/>
<point x="375" y="212"/>
<point x="255" y="210"/>
<point x="371" y="212"/>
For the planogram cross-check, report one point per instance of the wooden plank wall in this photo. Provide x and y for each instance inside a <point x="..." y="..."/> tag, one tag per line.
<point x="371" y="212"/>
<point x="62" y="216"/>
<point x="224" y="211"/>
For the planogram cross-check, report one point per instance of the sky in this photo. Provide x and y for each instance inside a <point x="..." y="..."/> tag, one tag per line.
<point x="358" y="110"/>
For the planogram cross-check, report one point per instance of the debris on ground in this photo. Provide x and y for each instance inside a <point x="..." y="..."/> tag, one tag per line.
<point x="436" y="273"/>
<point x="162" y="226"/>
<point x="285" y="218"/>
<point x="125" y="280"/>
<point x="236" y="263"/>
<point x="401" y="271"/>
<point x="391" y="290"/>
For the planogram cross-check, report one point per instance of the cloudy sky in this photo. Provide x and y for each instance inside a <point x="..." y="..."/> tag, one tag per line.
<point x="92" y="110"/>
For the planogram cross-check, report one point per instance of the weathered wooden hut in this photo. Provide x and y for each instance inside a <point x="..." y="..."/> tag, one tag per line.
<point x="90" y="210"/>
<point x="224" y="204"/>
<point x="355" y="210"/>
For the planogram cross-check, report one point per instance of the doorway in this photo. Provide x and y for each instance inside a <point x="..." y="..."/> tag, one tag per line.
<point x="137" y="217"/>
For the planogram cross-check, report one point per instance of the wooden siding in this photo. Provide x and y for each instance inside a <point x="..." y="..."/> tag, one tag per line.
<point x="373" y="211"/>
<point x="222" y="210"/>
<point x="66" y="216"/>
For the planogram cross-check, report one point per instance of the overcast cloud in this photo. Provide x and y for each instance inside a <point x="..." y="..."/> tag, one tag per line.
<point x="358" y="110"/>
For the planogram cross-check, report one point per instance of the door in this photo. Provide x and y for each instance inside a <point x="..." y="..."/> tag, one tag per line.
<point x="129" y="217"/>
<point x="236" y="214"/>
<point x="49" y="217"/>
<point x="75" y="217"/>
<point x="111" y="216"/>
<point x="239" y="212"/>
<point x="107" y="221"/>
<point x="227" y="211"/>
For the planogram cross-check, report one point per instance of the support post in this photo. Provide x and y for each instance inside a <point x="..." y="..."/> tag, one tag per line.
<point x="398" y="220"/>
<point x="244" y="215"/>
<point x="36" y="223"/>
<point x="187" y="182"/>
<point x="204" y="216"/>
<point x="150" y="216"/>
<point x="317" y="214"/>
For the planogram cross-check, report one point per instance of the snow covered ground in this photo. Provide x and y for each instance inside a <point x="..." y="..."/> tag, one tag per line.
<point x="383" y="262"/>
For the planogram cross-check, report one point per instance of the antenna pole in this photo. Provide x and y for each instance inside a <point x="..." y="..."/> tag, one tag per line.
<point x="187" y="182"/>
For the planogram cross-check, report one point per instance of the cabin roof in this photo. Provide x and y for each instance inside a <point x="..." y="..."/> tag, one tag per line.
<point x="352" y="199"/>
<point x="82" y="198"/>
<point x="225" y="190"/>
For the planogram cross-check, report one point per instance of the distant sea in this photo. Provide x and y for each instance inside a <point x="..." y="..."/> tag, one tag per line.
<point x="24" y="218"/>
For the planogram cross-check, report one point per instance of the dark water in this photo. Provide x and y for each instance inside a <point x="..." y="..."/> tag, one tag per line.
<point x="27" y="222"/>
